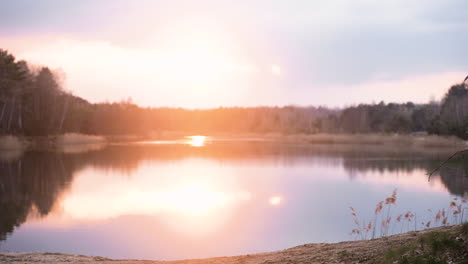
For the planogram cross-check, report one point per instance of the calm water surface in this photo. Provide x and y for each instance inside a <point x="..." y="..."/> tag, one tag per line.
<point x="191" y="199"/>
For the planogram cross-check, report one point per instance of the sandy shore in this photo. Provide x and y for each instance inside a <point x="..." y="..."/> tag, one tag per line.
<point x="368" y="251"/>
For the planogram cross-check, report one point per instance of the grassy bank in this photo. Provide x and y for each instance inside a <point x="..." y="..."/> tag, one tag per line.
<point x="65" y="142"/>
<point x="361" y="140"/>
<point x="384" y="222"/>
<point x="78" y="139"/>
<point x="426" y="141"/>
<point x="10" y="143"/>
<point x="76" y="143"/>
<point x="438" y="245"/>
<point x="11" y="147"/>
<point x="447" y="246"/>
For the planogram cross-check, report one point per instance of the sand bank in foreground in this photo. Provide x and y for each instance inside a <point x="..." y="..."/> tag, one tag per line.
<point x="370" y="251"/>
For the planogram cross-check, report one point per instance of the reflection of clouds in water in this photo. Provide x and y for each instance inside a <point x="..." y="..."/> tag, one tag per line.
<point x="226" y="187"/>
<point x="190" y="187"/>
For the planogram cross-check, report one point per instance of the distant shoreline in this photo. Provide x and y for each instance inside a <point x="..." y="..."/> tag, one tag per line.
<point x="362" y="251"/>
<point x="14" y="143"/>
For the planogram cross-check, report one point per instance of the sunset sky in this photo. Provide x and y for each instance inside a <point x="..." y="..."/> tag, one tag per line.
<point x="203" y="54"/>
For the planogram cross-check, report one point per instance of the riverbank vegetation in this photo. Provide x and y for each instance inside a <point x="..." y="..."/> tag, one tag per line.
<point x="10" y="143"/>
<point x="75" y="138"/>
<point x="385" y="223"/>
<point x="394" y="140"/>
<point x="34" y="103"/>
<point x="447" y="246"/>
<point x="434" y="246"/>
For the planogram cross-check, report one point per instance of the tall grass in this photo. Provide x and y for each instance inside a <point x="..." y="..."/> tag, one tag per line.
<point x="10" y="143"/>
<point x="384" y="224"/>
<point x="75" y="139"/>
<point x="428" y="141"/>
<point x="447" y="246"/>
<point x="11" y="148"/>
<point x="78" y="143"/>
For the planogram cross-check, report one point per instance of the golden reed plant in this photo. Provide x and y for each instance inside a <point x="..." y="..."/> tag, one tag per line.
<point x="454" y="214"/>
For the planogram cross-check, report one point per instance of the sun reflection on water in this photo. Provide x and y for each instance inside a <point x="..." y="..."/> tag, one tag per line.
<point x="275" y="200"/>
<point x="166" y="198"/>
<point x="185" y="190"/>
<point x="196" y="141"/>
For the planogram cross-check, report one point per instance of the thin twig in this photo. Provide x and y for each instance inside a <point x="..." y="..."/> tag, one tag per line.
<point x="445" y="162"/>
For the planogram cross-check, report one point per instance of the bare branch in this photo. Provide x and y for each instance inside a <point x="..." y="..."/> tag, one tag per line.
<point x="445" y="162"/>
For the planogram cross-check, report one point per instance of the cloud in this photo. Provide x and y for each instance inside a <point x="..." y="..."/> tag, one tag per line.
<point x="114" y="49"/>
<point x="186" y="76"/>
<point x="100" y="71"/>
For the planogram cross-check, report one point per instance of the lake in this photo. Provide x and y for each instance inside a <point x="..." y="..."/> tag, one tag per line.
<point x="204" y="197"/>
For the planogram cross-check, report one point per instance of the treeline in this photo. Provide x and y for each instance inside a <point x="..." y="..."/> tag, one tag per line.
<point x="33" y="103"/>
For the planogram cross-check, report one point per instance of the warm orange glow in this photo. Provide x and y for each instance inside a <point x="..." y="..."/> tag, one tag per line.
<point x="275" y="200"/>
<point x="275" y="69"/>
<point x="176" y="191"/>
<point x="196" y="141"/>
<point x="190" y="199"/>
<point x="193" y="62"/>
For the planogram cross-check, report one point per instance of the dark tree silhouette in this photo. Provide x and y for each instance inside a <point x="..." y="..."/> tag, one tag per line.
<point x="461" y="153"/>
<point x="33" y="103"/>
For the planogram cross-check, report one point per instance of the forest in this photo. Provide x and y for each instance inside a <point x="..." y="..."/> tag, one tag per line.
<point x="34" y="103"/>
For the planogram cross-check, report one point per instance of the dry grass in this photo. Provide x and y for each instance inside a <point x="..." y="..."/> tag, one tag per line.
<point x="123" y="138"/>
<point x="384" y="224"/>
<point x="10" y="143"/>
<point x="366" y="252"/>
<point x="81" y="148"/>
<point x="429" y="141"/>
<point x="11" y="148"/>
<point x="77" y="139"/>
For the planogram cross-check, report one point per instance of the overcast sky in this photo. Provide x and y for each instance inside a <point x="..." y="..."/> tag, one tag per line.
<point x="202" y="54"/>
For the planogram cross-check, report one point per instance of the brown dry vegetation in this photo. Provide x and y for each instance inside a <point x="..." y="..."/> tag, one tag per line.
<point x="380" y="141"/>
<point x="390" y="249"/>
<point x="10" y="143"/>
<point x="75" y="138"/>
<point x="424" y="141"/>
<point x="384" y="223"/>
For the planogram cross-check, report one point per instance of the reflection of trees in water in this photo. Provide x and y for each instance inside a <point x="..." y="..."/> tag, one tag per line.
<point x="33" y="181"/>
<point x="455" y="179"/>
<point x="37" y="179"/>
<point x="128" y="158"/>
<point x="381" y="165"/>
<point x="454" y="176"/>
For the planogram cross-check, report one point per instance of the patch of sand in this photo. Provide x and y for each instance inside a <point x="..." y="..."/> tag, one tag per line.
<point x="366" y="251"/>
